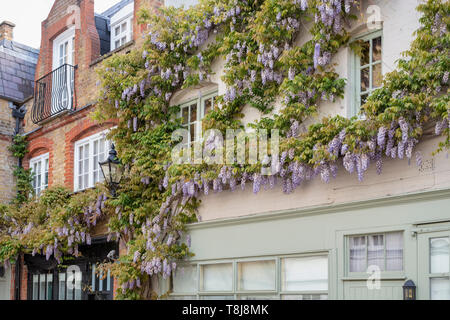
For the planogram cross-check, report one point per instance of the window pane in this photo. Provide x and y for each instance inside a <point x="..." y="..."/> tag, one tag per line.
<point x="439" y="255"/>
<point x="49" y="287"/>
<point x="62" y="286"/>
<point x="117" y="44"/>
<point x="193" y="112"/>
<point x="86" y="181"/>
<point x="365" y="79"/>
<point x="304" y="274"/>
<point x="394" y="251"/>
<point x="35" y="286"/>
<point x="124" y="27"/>
<point x="46" y="173"/>
<point x="440" y="289"/>
<point x="256" y="275"/>
<point x="78" y="285"/>
<point x="376" y="49"/>
<point x="208" y="105"/>
<point x="375" y="251"/>
<point x="377" y="77"/>
<point x="365" y="58"/>
<point x="42" y="287"/>
<point x="193" y="132"/>
<point x="185" y="115"/>
<point x="216" y="277"/>
<point x="117" y="30"/>
<point x="364" y="98"/>
<point x="108" y="281"/>
<point x="358" y="254"/>
<point x="185" y="280"/>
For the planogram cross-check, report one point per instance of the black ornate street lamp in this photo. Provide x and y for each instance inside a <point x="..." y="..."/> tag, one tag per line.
<point x="112" y="170"/>
<point x="409" y="290"/>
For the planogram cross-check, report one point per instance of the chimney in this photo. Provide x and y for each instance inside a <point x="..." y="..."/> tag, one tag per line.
<point x="6" y="30"/>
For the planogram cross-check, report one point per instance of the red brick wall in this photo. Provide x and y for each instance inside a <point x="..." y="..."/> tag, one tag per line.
<point x="37" y="147"/>
<point x="24" y="281"/>
<point x="58" y="135"/>
<point x="61" y="18"/>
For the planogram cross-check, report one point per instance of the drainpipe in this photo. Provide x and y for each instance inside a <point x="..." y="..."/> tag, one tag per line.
<point x="18" y="113"/>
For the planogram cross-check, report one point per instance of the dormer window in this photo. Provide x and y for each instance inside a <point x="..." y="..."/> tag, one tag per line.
<point x="122" y="26"/>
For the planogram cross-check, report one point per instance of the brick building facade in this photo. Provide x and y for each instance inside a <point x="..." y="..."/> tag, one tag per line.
<point x="17" y="69"/>
<point x="75" y="40"/>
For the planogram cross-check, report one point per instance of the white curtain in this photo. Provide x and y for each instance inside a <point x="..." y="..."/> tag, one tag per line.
<point x="394" y="251"/>
<point x="358" y="254"/>
<point x="217" y="277"/>
<point x="304" y="274"/>
<point x="257" y="275"/>
<point x="375" y="251"/>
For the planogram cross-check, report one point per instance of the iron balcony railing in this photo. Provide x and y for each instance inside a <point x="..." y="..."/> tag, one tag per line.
<point x="54" y="93"/>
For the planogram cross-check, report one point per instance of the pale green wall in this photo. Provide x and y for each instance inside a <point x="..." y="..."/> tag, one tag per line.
<point x="324" y="229"/>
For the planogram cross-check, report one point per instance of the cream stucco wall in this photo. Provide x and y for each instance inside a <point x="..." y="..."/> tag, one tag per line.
<point x="399" y="20"/>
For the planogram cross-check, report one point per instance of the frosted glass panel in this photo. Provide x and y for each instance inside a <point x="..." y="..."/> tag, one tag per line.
<point x="439" y="255"/>
<point x="185" y="279"/>
<point x="440" y="288"/>
<point x="304" y="274"/>
<point x="394" y="251"/>
<point x="256" y="275"/>
<point x="217" y="277"/>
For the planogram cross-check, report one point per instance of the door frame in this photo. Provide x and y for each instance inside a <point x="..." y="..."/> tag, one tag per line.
<point x="423" y="261"/>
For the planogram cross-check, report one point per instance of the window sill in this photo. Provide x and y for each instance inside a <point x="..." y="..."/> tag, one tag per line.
<point x="382" y="277"/>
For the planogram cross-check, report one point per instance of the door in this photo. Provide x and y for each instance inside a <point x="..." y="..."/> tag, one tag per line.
<point x="434" y="266"/>
<point x="63" y="75"/>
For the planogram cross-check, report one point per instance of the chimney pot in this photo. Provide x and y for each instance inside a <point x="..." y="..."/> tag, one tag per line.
<point x="6" y="30"/>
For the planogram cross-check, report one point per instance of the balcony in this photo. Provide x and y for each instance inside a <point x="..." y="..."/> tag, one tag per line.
<point x="54" y="93"/>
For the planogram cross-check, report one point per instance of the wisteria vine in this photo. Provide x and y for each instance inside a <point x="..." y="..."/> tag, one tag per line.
<point x="264" y="63"/>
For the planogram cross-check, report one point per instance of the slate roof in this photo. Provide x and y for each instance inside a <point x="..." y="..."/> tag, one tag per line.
<point x="17" y="68"/>
<point x="102" y="25"/>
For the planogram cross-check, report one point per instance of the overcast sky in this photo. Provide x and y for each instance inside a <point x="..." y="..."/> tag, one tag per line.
<point x="27" y="15"/>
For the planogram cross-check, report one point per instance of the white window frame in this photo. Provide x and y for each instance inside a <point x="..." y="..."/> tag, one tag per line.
<point x="201" y="112"/>
<point x="69" y="37"/>
<point x="124" y="36"/>
<point x="126" y="14"/>
<point x="276" y="293"/>
<point x="90" y="142"/>
<point x="355" y="72"/>
<point x="384" y="272"/>
<point x="44" y="162"/>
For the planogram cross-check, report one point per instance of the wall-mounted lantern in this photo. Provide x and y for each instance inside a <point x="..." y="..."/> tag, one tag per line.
<point x="409" y="290"/>
<point x="112" y="171"/>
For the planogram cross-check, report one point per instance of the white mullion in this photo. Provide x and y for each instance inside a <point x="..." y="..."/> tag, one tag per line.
<point x="91" y="163"/>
